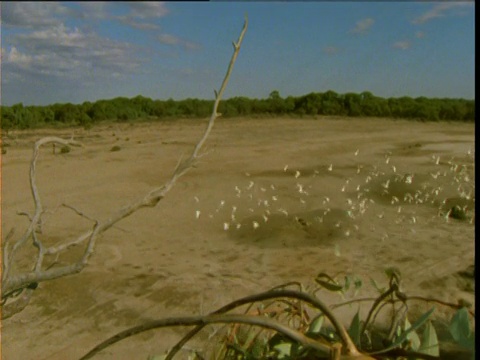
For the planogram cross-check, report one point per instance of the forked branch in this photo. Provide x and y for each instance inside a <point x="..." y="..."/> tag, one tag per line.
<point x="12" y="285"/>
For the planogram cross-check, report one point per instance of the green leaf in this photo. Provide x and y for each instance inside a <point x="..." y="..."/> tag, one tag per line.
<point x="420" y="321"/>
<point x="403" y="336"/>
<point x="357" y="283"/>
<point x="316" y="325"/>
<point x="460" y="329"/>
<point x="378" y="288"/>
<point x="284" y="350"/>
<point x="412" y="336"/>
<point x="430" y="341"/>
<point x="329" y="283"/>
<point x="392" y="272"/>
<point x="346" y="286"/>
<point x="354" y="329"/>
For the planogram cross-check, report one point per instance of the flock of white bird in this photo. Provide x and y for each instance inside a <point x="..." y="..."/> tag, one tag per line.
<point x="379" y="181"/>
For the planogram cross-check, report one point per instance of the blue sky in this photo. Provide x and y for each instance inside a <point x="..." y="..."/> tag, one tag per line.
<point x="78" y="51"/>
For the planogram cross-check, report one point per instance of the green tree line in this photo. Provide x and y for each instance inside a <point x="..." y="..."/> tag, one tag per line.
<point x="328" y="103"/>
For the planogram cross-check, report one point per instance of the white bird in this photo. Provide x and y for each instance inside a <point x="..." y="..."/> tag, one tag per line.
<point x="274" y="198"/>
<point x="196" y="199"/>
<point x="283" y="211"/>
<point x="255" y="224"/>
<point x="226" y="226"/>
<point x="297" y="174"/>
<point x="285" y="168"/>
<point x="330" y="168"/>
<point x="197" y="214"/>
<point x="356" y="152"/>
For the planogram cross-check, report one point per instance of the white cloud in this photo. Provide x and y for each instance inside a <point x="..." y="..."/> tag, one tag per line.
<point x="172" y="40"/>
<point x="168" y="39"/>
<point x="440" y="10"/>
<point x="94" y="9"/>
<point x="146" y="9"/>
<point x="137" y="13"/>
<point x="69" y="54"/>
<point x="403" y="45"/>
<point x="128" y="20"/>
<point x="363" y="25"/>
<point x="54" y="36"/>
<point x="14" y="56"/>
<point x="32" y="14"/>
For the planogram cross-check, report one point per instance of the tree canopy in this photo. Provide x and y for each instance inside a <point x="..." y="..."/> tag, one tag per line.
<point x="330" y="103"/>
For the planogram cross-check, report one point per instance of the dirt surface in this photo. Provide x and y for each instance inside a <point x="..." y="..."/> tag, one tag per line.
<point x="274" y="200"/>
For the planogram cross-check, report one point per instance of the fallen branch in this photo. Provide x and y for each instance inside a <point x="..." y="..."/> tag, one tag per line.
<point x="13" y="284"/>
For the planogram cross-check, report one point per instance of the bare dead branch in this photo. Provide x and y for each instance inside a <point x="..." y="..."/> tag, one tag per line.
<point x="35" y="219"/>
<point x="151" y="199"/>
<point x="212" y="319"/>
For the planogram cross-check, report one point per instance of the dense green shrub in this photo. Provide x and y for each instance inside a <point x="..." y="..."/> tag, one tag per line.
<point x="328" y="103"/>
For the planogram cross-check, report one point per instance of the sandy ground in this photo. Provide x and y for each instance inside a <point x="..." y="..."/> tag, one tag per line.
<point x="277" y="200"/>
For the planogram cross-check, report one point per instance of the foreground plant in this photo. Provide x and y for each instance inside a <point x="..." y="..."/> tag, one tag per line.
<point x="293" y="324"/>
<point x="17" y="288"/>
